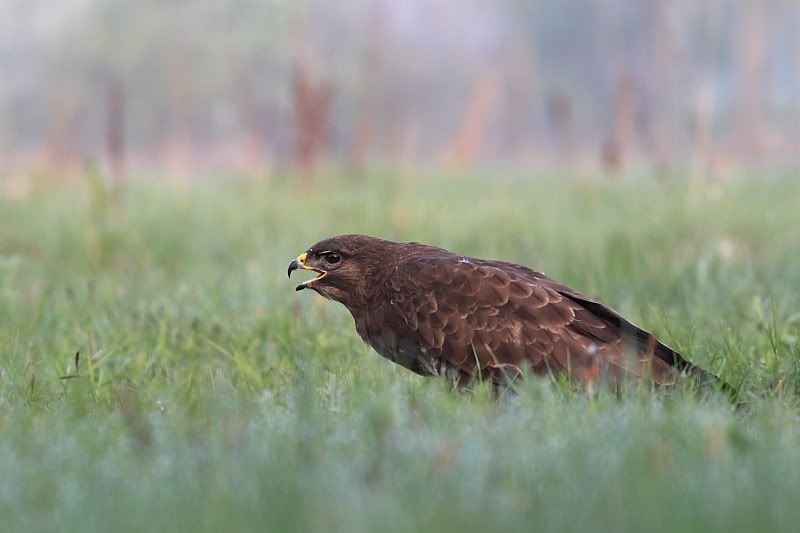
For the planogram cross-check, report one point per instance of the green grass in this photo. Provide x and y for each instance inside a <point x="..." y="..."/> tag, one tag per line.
<point x="211" y="397"/>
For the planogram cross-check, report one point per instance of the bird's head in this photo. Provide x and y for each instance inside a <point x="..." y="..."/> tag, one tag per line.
<point x="347" y="267"/>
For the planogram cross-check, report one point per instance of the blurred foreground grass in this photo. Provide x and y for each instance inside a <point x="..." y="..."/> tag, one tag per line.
<point x="209" y="396"/>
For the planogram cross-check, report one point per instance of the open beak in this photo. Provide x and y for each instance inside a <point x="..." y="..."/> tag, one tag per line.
<point x="300" y="262"/>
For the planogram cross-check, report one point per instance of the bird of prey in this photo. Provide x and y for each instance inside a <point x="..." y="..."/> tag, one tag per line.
<point x="443" y="314"/>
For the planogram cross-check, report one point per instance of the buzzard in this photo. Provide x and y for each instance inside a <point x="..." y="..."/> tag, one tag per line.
<point x="443" y="314"/>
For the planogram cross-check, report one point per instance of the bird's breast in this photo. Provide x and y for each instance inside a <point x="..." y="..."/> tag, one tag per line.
<point x="409" y="354"/>
<point x="388" y="344"/>
<point x="404" y="350"/>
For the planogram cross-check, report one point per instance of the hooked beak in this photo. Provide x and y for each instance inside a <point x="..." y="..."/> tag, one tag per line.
<point x="300" y="262"/>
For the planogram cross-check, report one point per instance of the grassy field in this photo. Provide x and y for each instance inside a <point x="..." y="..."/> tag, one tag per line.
<point x="209" y="396"/>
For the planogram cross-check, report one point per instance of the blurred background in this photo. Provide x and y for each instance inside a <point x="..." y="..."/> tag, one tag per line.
<point x="162" y="161"/>
<point x="182" y="88"/>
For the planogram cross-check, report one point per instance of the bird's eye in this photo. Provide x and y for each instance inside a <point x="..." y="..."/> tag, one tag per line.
<point x="332" y="258"/>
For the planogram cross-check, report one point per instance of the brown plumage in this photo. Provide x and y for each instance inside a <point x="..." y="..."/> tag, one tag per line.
<point x="439" y="313"/>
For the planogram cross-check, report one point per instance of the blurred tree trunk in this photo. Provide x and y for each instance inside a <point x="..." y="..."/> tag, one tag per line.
<point x="311" y="104"/>
<point x="751" y="54"/>
<point x="60" y="151"/>
<point x="467" y="142"/>
<point x="702" y="156"/>
<point x="617" y="148"/>
<point x="560" y="125"/>
<point x="660" y="127"/>
<point x="115" y="133"/>
<point x="179" y="137"/>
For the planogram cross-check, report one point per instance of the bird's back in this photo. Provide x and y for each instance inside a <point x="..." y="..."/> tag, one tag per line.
<point x="466" y="317"/>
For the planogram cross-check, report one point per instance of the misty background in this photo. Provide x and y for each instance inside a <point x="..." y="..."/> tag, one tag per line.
<point x="185" y="88"/>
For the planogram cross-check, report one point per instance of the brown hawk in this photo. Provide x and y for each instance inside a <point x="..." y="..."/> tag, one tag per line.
<point x="439" y="313"/>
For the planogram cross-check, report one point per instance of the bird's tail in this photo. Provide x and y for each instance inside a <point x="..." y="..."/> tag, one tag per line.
<point x="706" y="380"/>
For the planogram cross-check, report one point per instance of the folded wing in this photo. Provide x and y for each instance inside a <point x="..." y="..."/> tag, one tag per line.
<point x="494" y="319"/>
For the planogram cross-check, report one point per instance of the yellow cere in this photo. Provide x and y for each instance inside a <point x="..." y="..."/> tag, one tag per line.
<point x="301" y="260"/>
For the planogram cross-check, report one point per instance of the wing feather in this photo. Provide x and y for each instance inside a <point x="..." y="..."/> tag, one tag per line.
<point x="487" y="316"/>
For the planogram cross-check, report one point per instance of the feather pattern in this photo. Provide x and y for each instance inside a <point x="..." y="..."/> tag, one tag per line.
<point x="438" y="313"/>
